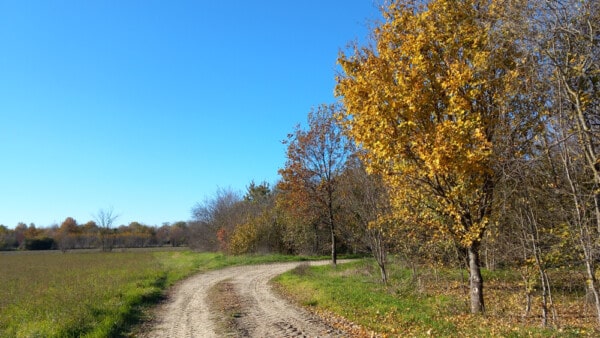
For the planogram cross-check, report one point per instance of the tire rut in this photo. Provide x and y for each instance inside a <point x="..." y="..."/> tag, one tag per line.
<point x="188" y="312"/>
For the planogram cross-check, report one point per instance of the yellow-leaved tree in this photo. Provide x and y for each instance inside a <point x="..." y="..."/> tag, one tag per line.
<point x="427" y="102"/>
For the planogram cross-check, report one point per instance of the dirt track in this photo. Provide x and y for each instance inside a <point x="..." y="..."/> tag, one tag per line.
<point x="188" y="313"/>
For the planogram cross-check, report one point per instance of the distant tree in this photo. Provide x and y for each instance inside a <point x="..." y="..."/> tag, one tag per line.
<point x="262" y="231"/>
<point x="315" y="159"/>
<point x="37" y="239"/>
<point x="257" y="193"/>
<point x="134" y="235"/>
<point x="7" y="238"/>
<point x="20" y="233"/>
<point x="163" y="234"/>
<point x="90" y="235"/>
<point x="105" y="219"/>
<point x="67" y="233"/>
<point x="215" y="219"/>
<point x="179" y="233"/>
<point x="31" y="232"/>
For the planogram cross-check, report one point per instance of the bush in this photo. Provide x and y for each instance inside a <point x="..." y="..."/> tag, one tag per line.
<point x="43" y="243"/>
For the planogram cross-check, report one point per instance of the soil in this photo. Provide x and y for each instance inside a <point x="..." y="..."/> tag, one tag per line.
<point x="235" y="302"/>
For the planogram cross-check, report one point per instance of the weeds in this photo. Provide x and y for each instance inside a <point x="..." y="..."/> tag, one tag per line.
<point x="302" y="269"/>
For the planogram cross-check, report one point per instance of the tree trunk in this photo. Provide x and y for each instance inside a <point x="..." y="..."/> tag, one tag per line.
<point x="332" y="227"/>
<point x="383" y="273"/>
<point x="592" y="282"/>
<point x="333" y="245"/>
<point x="475" y="279"/>
<point x="316" y="250"/>
<point x="379" y="251"/>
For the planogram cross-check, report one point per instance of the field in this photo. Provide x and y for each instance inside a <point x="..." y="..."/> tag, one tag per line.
<point x="434" y="302"/>
<point x="93" y="294"/>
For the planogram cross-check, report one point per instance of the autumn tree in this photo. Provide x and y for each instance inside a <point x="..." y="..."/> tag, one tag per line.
<point x="315" y="159"/>
<point x="89" y="236"/>
<point x="20" y="229"/>
<point x="426" y="102"/>
<point x="262" y="230"/>
<point x="37" y="239"/>
<point x="215" y="219"/>
<point x="134" y="235"/>
<point x="66" y="235"/>
<point x="178" y="233"/>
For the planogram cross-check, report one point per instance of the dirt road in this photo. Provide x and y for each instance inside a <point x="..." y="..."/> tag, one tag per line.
<point x="188" y="312"/>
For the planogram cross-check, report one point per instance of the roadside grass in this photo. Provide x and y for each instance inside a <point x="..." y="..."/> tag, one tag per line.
<point x="434" y="302"/>
<point x="94" y="294"/>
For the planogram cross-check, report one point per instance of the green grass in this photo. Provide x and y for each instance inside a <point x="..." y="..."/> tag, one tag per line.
<point x="433" y="305"/>
<point x="352" y="291"/>
<point x="94" y="294"/>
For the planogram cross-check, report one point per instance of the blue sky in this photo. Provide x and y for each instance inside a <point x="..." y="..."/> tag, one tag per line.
<point x="150" y="106"/>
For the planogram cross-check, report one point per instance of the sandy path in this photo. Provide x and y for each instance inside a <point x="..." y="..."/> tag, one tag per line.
<point x="186" y="313"/>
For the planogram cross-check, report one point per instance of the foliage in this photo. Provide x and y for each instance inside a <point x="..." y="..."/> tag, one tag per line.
<point x="260" y="234"/>
<point x="425" y="106"/>
<point x="315" y="159"/>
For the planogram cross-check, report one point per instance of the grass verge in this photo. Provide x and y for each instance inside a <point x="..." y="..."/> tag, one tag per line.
<point x="431" y="304"/>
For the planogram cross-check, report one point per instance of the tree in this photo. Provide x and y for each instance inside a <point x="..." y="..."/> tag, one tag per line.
<point x="258" y="193"/>
<point x="262" y="230"/>
<point x="426" y="104"/>
<point x="568" y="32"/>
<point x="215" y="219"/>
<point x="366" y="203"/>
<point x="134" y="235"/>
<point x="178" y="233"/>
<point x="105" y="219"/>
<point x="7" y="238"/>
<point x="570" y="38"/>
<point x="89" y="236"/>
<point x="20" y="234"/>
<point x="315" y="159"/>
<point x="66" y="234"/>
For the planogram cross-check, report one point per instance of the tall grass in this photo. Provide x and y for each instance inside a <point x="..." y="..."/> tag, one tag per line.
<point x="93" y="294"/>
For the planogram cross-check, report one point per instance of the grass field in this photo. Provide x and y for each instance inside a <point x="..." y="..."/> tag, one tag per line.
<point x="93" y="294"/>
<point x="435" y="303"/>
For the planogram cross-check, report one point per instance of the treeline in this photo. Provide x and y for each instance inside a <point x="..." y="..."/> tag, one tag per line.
<point x="467" y="132"/>
<point x="70" y="235"/>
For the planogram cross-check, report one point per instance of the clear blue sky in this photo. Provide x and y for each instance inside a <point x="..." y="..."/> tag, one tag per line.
<point x="150" y="106"/>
